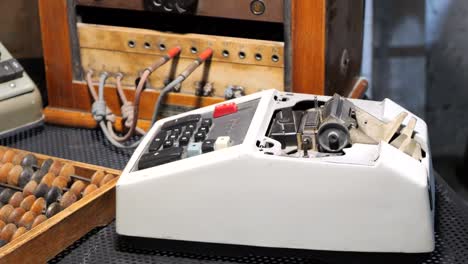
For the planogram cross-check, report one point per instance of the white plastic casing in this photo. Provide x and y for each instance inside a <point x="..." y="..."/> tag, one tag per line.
<point x="373" y="199"/>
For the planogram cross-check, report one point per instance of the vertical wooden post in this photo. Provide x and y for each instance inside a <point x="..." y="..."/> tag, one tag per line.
<point x="57" y="52"/>
<point x="308" y="45"/>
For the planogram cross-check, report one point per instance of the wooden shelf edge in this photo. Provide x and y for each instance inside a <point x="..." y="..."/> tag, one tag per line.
<point x="76" y="118"/>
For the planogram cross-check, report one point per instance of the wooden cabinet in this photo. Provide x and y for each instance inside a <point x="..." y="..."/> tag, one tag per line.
<point x="321" y="55"/>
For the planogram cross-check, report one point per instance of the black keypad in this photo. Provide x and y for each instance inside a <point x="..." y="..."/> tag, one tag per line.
<point x="7" y="73"/>
<point x="206" y="122"/>
<point x="200" y="136"/>
<point x="191" y="127"/>
<point x="160" y="157"/>
<point x="158" y="141"/>
<point x="204" y="129"/>
<point x="181" y="121"/>
<point x="190" y="119"/>
<point x="184" y="140"/>
<point x="187" y="133"/>
<point x="208" y="145"/>
<point x="17" y="68"/>
<point x="168" y="143"/>
<point x="169" y="124"/>
<point x="175" y="131"/>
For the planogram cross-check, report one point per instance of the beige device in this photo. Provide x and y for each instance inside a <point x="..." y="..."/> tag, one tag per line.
<point x="20" y="100"/>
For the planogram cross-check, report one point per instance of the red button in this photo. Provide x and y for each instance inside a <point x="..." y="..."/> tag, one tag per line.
<point x="225" y="109"/>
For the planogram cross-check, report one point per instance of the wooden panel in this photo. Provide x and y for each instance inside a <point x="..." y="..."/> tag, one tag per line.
<point x="105" y="48"/>
<point x="117" y="39"/>
<point x="309" y="40"/>
<point x="123" y="4"/>
<point x="308" y="45"/>
<point x="22" y="16"/>
<point x="345" y="21"/>
<point x="57" y="52"/>
<point x="45" y="241"/>
<point x="236" y="9"/>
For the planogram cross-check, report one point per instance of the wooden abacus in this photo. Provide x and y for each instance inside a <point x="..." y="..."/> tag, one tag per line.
<point x="47" y="203"/>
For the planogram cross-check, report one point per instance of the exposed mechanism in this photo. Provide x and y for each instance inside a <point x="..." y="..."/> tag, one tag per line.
<point x="283" y="170"/>
<point x="338" y="124"/>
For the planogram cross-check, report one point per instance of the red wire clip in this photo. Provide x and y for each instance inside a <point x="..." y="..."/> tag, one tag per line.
<point x="206" y="54"/>
<point x="174" y="52"/>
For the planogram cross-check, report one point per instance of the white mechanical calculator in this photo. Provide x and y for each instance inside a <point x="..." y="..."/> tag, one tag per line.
<point x="284" y="170"/>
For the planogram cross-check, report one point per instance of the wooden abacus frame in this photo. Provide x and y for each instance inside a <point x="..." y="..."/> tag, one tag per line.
<point x="46" y="240"/>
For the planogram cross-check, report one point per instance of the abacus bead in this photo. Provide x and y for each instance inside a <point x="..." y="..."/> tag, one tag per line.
<point x="48" y="179"/>
<point x="28" y="202"/>
<point x="56" y="167"/>
<point x="27" y="220"/>
<point x="16" y="199"/>
<point x="20" y="231"/>
<point x="7" y="232"/>
<point x="13" y="175"/>
<point x="60" y="182"/>
<point x="38" y="220"/>
<point x="29" y="160"/>
<point x="41" y="190"/>
<point x="106" y="179"/>
<point x="89" y="189"/>
<point x="53" y="195"/>
<point x="25" y="176"/>
<point x="8" y="156"/>
<point x="77" y="187"/>
<point x="38" y="175"/>
<point x="29" y="188"/>
<point x="16" y="215"/>
<point x="5" y="212"/>
<point x="38" y="206"/>
<point x="97" y="177"/>
<point x="67" y="170"/>
<point x="5" y="195"/>
<point x="18" y="158"/>
<point x="53" y="209"/>
<point x="67" y="199"/>
<point x="4" y="170"/>
<point x="46" y="164"/>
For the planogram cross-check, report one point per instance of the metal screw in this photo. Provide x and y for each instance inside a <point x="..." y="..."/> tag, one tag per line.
<point x="257" y="7"/>
<point x="345" y="60"/>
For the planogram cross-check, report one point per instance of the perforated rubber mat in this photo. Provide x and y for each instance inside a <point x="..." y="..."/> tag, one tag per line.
<point x="101" y="245"/>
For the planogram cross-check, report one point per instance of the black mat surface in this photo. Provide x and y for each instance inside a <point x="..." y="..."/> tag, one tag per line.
<point x="99" y="246"/>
